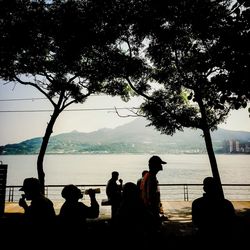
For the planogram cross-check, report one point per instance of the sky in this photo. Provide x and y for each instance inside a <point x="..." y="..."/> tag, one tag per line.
<point x="19" y="126"/>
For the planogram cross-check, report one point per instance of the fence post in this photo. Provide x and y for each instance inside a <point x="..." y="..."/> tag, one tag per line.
<point x="185" y="192"/>
<point x="3" y="177"/>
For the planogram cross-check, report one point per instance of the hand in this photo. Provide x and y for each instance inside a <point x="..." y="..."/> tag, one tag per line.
<point x="91" y="192"/>
<point x="22" y="202"/>
<point x="121" y="181"/>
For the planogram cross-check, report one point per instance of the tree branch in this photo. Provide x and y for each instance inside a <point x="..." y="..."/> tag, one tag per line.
<point x="135" y="114"/>
<point x="37" y="87"/>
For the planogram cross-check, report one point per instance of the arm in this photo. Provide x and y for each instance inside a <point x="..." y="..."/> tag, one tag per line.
<point x="23" y="203"/>
<point x="93" y="210"/>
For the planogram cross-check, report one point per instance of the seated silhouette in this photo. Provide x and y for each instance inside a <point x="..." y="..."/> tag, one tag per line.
<point x="39" y="214"/>
<point x="212" y="215"/>
<point x="73" y="211"/>
<point x="73" y="215"/>
<point x="41" y="209"/>
<point x="133" y="224"/>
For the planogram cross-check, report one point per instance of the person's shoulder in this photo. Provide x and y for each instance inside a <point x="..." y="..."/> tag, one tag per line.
<point x="197" y="201"/>
<point x="109" y="181"/>
<point x="81" y="205"/>
<point x="46" y="200"/>
<point x="228" y="203"/>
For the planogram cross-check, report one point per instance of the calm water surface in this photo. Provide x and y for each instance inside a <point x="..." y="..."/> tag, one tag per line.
<point x="96" y="169"/>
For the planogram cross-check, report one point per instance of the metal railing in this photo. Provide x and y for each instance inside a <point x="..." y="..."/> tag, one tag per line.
<point x="169" y="192"/>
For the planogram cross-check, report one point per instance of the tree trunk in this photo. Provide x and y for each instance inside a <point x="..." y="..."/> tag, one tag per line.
<point x="209" y="147"/>
<point x="212" y="159"/>
<point x="45" y="141"/>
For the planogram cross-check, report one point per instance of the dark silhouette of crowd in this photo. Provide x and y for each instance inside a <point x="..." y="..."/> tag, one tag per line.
<point x="135" y="215"/>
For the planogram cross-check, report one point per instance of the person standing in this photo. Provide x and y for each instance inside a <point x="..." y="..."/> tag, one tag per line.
<point x="139" y="181"/>
<point x="150" y="192"/>
<point x="114" y="192"/>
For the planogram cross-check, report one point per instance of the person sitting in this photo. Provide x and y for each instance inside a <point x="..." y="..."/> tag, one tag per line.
<point x="41" y="209"/>
<point x="39" y="215"/>
<point x="212" y="215"/>
<point x="73" y="211"/>
<point x="133" y="220"/>
<point x="73" y="216"/>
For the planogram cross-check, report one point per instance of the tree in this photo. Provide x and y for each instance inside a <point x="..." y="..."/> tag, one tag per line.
<point x="184" y="72"/>
<point x="236" y="54"/>
<point x="57" y="47"/>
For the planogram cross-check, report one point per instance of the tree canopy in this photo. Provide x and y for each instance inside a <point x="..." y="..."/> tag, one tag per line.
<point x="59" y="47"/>
<point x="191" y="69"/>
<point x="188" y="59"/>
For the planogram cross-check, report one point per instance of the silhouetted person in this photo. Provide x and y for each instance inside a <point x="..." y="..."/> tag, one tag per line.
<point x="133" y="225"/>
<point x="212" y="215"/>
<point x="139" y="181"/>
<point x="39" y="215"/>
<point x="114" y="192"/>
<point x="150" y="190"/>
<point x="75" y="212"/>
<point x="73" y="217"/>
<point x="41" y="209"/>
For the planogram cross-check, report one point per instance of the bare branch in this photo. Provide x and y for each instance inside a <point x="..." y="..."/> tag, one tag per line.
<point x="134" y="114"/>
<point x="37" y="87"/>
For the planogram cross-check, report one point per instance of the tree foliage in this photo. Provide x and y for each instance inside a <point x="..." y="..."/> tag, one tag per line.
<point x="59" y="47"/>
<point x="189" y="59"/>
<point x="193" y="68"/>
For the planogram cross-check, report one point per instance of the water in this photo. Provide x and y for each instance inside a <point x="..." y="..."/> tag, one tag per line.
<point x="96" y="169"/>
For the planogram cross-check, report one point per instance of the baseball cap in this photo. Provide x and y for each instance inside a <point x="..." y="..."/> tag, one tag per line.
<point x="155" y="159"/>
<point x="30" y="184"/>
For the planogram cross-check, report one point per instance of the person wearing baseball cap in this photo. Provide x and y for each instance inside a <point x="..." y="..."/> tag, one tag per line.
<point x="155" y="162"/>
<point x="150" y="189"/>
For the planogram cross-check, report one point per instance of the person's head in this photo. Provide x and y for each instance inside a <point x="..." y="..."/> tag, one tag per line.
<point x="144" y="172"/>
<point x="71" y="192"/>
<point x="130" y="192"/>
<point x="210" y="186"/>
<point x="155" y="163"/>
<point x="31" y="187"/>
<point x="115" y="175"/>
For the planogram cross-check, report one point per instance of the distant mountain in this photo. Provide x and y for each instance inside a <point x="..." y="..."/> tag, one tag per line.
<point x="133" y="137"/>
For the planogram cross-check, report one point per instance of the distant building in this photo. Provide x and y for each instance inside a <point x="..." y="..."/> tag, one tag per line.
<point x="247" y="147"/>
<point x="234" y="146"/>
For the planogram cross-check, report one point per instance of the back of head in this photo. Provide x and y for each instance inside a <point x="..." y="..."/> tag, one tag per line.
<point x="71" y="192"/>
<point x="115" y="174"/>
<point x="210" y="186"/>
<point x="144" y="172"/>
<point x="130" y="191"/>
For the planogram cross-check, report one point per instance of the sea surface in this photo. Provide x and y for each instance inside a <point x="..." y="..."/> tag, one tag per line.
<point x="96" y="169"/>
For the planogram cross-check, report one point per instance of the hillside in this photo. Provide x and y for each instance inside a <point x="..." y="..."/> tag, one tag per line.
<point x="133" y="137"/>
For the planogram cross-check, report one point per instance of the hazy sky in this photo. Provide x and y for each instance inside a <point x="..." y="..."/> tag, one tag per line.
<point x="16" y="127"/>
